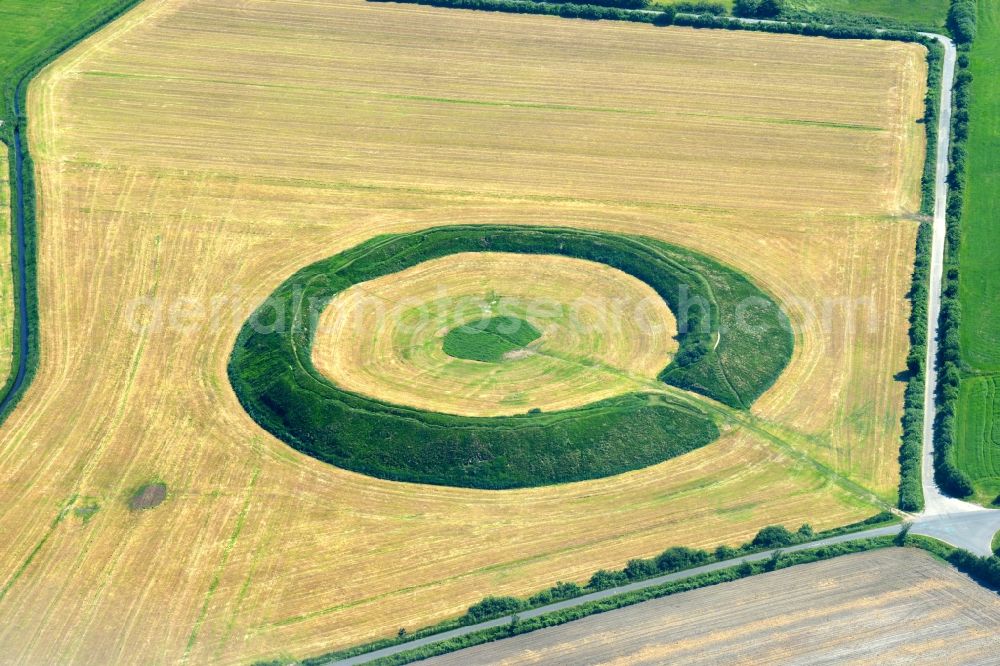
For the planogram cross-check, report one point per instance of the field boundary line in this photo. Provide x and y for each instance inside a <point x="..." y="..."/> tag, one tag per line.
<point x="223" y="561"/>
<point x="67" y="505"/>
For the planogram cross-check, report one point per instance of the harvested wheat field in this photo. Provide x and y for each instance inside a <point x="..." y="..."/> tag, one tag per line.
<point x="601" y="333"/>
<point x="196" y="153"/>
<point x="885" y="606"/>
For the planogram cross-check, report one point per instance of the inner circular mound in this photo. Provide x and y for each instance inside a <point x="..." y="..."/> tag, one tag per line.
<point x="496" y="334"/>
<point x="491" y="339"/>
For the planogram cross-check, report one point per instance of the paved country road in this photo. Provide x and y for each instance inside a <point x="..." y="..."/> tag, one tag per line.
<point x="610" y="592"/>
<point x="951" y="520"/>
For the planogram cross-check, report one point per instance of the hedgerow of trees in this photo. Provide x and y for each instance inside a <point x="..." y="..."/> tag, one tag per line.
<point x="672" y="560"/>
<point x="620" y="4"/>
<point x="911" y="494"/>
<point x="700" y="7"/>
<point x="949" y="477"/>
<point x="962" y="20"/>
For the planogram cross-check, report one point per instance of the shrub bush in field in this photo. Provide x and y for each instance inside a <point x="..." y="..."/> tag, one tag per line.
<point x="962" y="20"/>
<point x="758" y="8"/>
<point x="701" y="7"/>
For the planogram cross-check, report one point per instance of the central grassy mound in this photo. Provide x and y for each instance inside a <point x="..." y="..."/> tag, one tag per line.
<point x="733" y="342"/>
<point x="490" y="340"/>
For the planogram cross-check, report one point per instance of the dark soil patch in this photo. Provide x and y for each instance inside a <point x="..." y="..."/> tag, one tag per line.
<point x="148" y="496"/>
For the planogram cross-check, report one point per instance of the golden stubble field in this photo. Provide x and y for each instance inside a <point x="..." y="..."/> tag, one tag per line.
<point x="196" y="153"/>
<point x="603" y="333"/>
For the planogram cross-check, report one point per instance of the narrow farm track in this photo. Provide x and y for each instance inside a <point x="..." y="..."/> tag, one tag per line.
<point x="935" y="501"/>
<point x="610" y="592"/>
<point x="891" y="606"/>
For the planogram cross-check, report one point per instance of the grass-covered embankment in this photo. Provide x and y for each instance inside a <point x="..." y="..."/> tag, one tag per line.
<point x="733" y="340"/>
<point x="6" y="273"/>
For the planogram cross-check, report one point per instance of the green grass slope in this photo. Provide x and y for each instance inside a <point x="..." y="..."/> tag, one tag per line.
<point x="980" y="256"/>
<point x="978" y="445"/>
<point x="977" y="449"/>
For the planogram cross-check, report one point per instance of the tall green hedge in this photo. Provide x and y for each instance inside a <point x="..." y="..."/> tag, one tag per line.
<point x="620" y="4"/>
<point x="949" y="477"/>
<point x="911" y="494"/>
<point x="962" y="20"/>
<point x="671" y="560"/>
<point x="554" y="618"/>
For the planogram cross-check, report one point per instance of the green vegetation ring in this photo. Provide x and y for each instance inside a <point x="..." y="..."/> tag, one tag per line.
<point x="734" y="341"/>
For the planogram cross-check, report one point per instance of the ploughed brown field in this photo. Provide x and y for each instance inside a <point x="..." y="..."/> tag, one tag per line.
<point x="884" y="606"/>
<point x="196" y="153"/>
